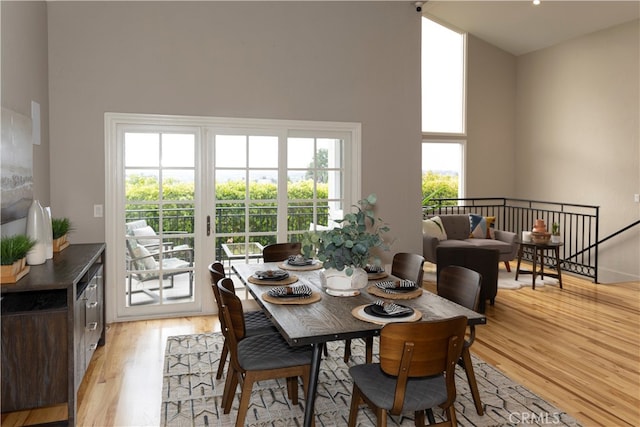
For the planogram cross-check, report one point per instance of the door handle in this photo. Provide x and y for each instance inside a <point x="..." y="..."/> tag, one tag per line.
<point x="208" y="225"/>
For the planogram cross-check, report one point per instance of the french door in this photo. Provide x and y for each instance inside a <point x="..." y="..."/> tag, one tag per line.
<point x="183" y="192"/>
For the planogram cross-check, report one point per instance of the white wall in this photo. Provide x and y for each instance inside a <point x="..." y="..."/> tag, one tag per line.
<point x="578" y="122"/>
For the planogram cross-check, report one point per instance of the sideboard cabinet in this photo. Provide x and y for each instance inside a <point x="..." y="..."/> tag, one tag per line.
<point x="53" y="319"/>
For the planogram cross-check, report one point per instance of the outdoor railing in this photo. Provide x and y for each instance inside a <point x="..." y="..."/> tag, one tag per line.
<point x="578" y="225"/>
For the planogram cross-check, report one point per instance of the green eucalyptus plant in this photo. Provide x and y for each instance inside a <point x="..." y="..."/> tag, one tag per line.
<point x="60" y="227"/>
<point x="349" y="245"/>
<point x="14" y="248"/>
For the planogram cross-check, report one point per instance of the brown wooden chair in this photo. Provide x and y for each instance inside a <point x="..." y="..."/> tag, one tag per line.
<point x="408" y="266"/>
<point x="416" y="371"/>
<point x="404" y="266"/>
<point x="280" y="251"/>
<point x="258" y="358"/>
<point x="462" y="286"/>
<point x="256" y="322"/>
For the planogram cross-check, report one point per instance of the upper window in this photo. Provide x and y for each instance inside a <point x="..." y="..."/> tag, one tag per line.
<point x="443" y="88"/>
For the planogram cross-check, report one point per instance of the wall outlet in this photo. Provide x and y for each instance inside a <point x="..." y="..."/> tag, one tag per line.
<point x="98" y="211"/>
<point x="636" y="198"/>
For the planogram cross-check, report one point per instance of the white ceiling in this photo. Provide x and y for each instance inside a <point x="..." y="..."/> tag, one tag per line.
<point x="520" y="27"/>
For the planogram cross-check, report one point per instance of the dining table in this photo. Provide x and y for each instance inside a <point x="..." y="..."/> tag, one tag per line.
<point x="332" y="318"/>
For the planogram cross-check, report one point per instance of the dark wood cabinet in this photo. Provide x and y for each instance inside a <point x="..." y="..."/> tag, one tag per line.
<point x="52" y="322"/>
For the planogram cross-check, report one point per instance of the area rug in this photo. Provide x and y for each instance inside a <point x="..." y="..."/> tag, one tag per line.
<point x="507" y="280"/>
<point x="191" y="395"/>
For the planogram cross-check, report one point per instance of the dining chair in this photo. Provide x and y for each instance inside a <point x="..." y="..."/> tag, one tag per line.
<point x="416" y="371"/>
<point x="406" y="266"/>
<point x="256" y="322"/>
<point x="280" y="251"/>
<point x="257" y="358"/>
<point x="462" y="286"/>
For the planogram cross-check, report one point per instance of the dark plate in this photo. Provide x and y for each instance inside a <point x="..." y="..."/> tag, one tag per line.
<point x="277" y="275"/>
<point x="300" y="264"/>
<point x="378" y="311"/>
<point x="401" y="290"/>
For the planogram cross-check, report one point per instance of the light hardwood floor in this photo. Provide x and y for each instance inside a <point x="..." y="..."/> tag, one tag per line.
<point x="578" y="348"/>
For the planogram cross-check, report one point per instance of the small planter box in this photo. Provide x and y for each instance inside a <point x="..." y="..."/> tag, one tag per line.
<point x="14" y="272"/>
<point x="60" y="243"/>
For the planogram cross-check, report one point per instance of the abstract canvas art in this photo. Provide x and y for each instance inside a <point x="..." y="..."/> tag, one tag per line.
<point x="16" y="166"/>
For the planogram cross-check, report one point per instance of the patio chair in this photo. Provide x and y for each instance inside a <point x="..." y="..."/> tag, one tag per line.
<point x="258" y="358"/>
<point x="256" y="322"/>
<point x="416" y="371"/>
<point x="280" y="251"/>
<point x="146" y="236"/>
<point x="462" y="286"/>
<point x="143" y="266"/>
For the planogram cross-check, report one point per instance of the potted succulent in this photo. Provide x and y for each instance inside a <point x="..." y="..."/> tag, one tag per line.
<point x="555" y="233"/>
<point x="347" y="249"/>
<point x="13" y="254"/>
<point x="60" y="227"/>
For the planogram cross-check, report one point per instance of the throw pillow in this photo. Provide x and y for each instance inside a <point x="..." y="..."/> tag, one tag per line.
<point x="478" y="226"/>
<point x="433" y="227"/>
<point x="146" y="261"/>
<point x="491" y="227"/>
<point x="143" y="232"/>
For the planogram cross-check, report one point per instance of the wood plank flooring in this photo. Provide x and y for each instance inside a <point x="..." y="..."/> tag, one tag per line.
<point x="578" y="347"/>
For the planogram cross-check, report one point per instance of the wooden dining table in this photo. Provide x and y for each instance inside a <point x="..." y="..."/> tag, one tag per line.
<point x="331" y="319"/>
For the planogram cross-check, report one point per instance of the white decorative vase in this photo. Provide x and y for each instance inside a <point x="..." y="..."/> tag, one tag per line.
<point x="556" y="239"/>
<point x="36" y="230"/>
<point x="48" y="238"/>
<point x="338" y="284"/>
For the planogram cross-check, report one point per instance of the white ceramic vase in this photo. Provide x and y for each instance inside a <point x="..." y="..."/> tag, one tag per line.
<point x="48" y="237"/>
<point x="37" y="231"/>
<point x="338" y="284"/>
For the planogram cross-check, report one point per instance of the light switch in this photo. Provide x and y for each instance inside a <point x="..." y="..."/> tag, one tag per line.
<point x="97" y="211"/>
<point x="636" y="198"/>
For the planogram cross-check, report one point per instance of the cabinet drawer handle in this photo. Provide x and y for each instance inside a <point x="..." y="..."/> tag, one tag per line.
<point x="92" y="326"/>
<point x="92" y="286"/>
<point x="93" y="304"/>
<point x="93" y="346"/>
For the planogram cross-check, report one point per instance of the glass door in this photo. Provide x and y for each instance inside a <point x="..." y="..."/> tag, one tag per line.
<point x="159" y="216"/>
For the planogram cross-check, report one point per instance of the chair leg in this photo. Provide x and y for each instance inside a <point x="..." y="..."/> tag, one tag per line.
<point x="245" y="397"/>
<point x="347" y="351"/>
<point x="419" y="418"/>
<point x="381" y="415"/>
<point x="507" y="266"/>
<point x="292" y="389"/>
<point x="430" y="417"/>
<point x="223" y="359"/>
<point x="471" y="378"/>
<point x="230" y="385"/>
<point x="356" y="399"/>
<point x="368" y="358"/>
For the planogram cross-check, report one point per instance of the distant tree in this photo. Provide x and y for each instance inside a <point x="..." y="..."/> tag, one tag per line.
<point x="321" y="165"/>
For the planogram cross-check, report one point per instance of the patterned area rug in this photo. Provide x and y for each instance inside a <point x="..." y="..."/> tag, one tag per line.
<point x="191" y="395"/>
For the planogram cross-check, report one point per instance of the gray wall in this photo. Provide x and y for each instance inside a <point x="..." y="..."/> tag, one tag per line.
<point x="578" y="134"/>
<point x="25" y="79"/>
<point x="308" y="60"/>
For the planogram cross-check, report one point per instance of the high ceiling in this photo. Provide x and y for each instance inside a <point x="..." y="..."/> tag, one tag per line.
<point x="520" y="27"/>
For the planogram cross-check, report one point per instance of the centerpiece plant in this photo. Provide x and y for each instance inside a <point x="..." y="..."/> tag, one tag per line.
<point x="349" y="245"/>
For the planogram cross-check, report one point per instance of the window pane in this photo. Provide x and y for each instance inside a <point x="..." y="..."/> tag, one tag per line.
<point x="141" y="149"/>
<point x="441" y="171"/>
<point x="442" y="79"/>
<point x="263" y="151"/>
<point x="178" y="150"/>
<point x="231" y="151"/>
